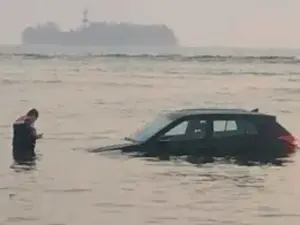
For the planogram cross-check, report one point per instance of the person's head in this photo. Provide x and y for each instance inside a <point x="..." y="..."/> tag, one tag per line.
<point x="32" y="115"/>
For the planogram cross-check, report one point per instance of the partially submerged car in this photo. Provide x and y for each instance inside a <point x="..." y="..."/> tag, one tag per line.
<point x="211" y="132"/>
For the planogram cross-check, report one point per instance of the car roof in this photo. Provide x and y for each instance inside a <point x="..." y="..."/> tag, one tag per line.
<point x="176" y="114"/>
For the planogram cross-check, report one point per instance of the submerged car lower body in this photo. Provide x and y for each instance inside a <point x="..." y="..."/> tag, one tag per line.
<point x="263" y="151"/>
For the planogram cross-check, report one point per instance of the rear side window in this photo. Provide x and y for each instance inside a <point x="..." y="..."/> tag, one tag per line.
<point x="227" y="128"/>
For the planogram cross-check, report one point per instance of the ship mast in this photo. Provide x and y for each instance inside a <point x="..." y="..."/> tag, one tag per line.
<point x="85" y="19"/>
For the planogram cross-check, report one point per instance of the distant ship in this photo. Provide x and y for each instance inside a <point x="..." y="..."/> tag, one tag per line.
<point x="100" y="34"/>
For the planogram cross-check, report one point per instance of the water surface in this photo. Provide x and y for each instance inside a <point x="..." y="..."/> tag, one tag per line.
<point x="89" y="100"/>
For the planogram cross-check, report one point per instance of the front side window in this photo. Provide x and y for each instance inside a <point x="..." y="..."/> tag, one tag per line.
<point x="179" y="129"/>
<point x="187" y="130"/>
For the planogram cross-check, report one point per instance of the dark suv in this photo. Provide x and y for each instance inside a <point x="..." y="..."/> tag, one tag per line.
<point x="211" y="132"/>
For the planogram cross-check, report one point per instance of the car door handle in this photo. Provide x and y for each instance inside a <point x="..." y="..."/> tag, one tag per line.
<point x="164" y="139"/>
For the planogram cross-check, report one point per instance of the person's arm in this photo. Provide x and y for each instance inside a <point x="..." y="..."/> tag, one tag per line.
<point x="35" y="134"/>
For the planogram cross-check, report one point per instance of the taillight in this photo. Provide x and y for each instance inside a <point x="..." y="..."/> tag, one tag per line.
<point x="291" y="140"/>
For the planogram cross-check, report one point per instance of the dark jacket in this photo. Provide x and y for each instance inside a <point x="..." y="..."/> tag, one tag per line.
<point x="24" y="140"/>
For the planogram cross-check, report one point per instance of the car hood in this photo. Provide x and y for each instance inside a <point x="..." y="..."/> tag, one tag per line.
<point x="114" y="147"/>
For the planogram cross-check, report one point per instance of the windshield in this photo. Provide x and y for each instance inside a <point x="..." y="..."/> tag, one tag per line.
<point x="150" y="129"/>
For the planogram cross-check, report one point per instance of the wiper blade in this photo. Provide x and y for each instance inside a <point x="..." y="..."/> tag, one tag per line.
<point x="129" y="139"/>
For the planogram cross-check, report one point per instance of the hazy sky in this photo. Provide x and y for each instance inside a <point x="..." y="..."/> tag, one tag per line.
<point x="249" y="23"/>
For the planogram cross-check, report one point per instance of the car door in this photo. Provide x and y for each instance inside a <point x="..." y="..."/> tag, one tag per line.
<point x="233" y="136"/>
<point x="187" y="137"/>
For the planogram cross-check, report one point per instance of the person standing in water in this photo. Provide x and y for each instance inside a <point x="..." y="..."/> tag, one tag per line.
<point x="24" y="137"/>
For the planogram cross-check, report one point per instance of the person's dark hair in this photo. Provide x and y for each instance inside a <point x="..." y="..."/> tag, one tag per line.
<point x="33" y="112"/>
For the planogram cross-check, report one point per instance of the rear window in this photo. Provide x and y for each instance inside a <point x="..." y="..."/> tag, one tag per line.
<point x="225" y="128"/>
<point x="277" y="129"/>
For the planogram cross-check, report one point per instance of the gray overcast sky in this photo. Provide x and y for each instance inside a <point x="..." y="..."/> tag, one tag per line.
<point x="249" y="23"/>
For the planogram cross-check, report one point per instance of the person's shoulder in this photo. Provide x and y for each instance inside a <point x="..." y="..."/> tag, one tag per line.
<point x="21" y="120"/>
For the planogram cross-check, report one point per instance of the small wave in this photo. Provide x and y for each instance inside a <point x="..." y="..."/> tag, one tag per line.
<point x="9" y="81"/>
<point x="161" y="57"/>
<point x="71" y="190"/>
<point x="20" y="219"/>
<point x="47" y="81"/>
<point x="6" y="81"/>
